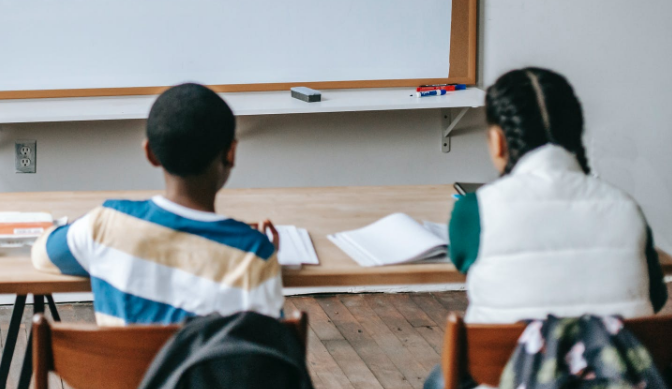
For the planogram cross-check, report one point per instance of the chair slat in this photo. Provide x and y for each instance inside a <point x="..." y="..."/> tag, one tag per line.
<point x="91" y="357"/>
<point x="483" y="350"/>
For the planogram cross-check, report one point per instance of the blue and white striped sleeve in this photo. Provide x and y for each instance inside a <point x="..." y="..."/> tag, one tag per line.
<point x="65" y="249"/>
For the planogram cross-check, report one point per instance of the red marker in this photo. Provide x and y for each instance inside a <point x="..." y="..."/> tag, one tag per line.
<point x="447" y="88"/>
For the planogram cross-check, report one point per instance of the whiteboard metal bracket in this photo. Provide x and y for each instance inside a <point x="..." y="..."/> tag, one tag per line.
<point x="448" y="123"/>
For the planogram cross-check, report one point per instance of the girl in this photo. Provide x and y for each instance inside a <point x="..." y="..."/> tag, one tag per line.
<point x="547" y="237"/>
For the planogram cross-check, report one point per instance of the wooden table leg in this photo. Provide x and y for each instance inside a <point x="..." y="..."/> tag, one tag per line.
<point x="10" y="341"/>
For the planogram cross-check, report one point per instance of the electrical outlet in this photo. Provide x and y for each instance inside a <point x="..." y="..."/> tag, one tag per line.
<point x="25" y="156"/>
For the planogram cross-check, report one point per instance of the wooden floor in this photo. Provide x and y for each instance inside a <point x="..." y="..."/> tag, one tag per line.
<point x="354" y="341"/>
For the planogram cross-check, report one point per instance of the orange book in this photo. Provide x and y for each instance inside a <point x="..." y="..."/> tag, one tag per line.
<point x="24" y="224"/>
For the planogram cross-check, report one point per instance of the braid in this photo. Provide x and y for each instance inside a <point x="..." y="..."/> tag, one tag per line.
<point x="534" y="107"/>
<point x="582" y="158"/>
<point x="511" y="104"/>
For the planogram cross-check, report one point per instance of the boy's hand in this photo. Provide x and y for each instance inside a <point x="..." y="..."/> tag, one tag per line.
<point x="266" y="226"/>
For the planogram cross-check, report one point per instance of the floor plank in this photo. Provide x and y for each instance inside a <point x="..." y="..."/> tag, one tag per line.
<point x="324" y="371"/>
<point x="352" y="365"/>
<point x="5" y="316"/>
<point x="67" y="313"/>
<point x="324" y="365"/>
<point x="418" y="346"/>
<point x="432" y="307"/>
<point x="412" y="371"/>
<point x="319" y="321"/>
<point x="368" y="350"/>
<point x="411" y="312"/>
<point x="17" y="360"/>
<point x="452" y="301"/>
<point x="435" y="311"/>
<point x="433" y="336"/>
<point x="84" y="313"/>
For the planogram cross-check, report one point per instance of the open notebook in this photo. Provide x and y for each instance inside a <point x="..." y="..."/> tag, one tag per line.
<point x="296" y="247"/>
<point x="392" y="240"/>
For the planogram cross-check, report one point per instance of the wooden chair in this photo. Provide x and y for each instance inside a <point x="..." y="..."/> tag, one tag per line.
<point x="90" y="357"/>
<point x="483" y="350"/>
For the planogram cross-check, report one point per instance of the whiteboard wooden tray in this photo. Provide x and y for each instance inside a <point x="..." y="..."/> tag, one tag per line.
<point x="242" y="103"/>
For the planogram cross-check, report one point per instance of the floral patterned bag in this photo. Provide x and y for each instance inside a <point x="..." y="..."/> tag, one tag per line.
<point x="585" y="352"/>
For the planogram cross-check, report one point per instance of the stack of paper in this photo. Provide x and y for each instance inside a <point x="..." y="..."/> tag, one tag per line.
<point x="392" y="240"/>
<point x="18" y="229"/>
<point x="296" y="248"/>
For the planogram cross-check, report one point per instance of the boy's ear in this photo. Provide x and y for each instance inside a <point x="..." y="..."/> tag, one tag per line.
<point x="230" y="157"/>
<point x="150" y="154"/>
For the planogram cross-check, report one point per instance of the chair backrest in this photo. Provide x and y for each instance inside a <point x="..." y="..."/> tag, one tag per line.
<point x="482" y="350"/>
<point x="90" y="357"/>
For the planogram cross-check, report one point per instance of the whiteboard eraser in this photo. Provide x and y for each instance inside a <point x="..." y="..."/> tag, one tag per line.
<point x="306" y="94"/>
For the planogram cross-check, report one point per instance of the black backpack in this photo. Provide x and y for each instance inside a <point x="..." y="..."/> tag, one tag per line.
<point x="243" y="351"/>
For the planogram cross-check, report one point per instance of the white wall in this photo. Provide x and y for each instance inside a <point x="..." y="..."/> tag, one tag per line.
<point x="618" y="56"/>
<point x="365" y="148"/>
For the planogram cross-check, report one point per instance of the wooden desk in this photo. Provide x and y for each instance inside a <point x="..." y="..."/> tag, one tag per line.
<point x="321" y="210"/>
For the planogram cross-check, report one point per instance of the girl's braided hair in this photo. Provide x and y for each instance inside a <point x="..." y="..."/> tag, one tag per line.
<point x="533" y="107"/>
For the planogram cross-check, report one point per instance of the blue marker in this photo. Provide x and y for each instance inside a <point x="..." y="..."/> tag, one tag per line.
<point x="430" y="93"/>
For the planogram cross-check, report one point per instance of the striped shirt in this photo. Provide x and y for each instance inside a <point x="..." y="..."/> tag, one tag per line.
<point x="157" y="262"/>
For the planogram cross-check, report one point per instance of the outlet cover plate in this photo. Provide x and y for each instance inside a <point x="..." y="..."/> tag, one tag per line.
<point x="25" y="159"/>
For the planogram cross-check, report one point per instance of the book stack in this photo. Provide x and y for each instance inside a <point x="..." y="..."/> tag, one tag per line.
<point x="296" y="247"/>
<point x="19" y="229"/>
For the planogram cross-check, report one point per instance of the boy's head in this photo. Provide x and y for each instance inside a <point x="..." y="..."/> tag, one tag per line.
<point x="528" y="108"/>
<point x="191" y="134"/>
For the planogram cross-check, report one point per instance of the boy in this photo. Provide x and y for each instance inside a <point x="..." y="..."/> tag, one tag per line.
<point x="161" y="260"/>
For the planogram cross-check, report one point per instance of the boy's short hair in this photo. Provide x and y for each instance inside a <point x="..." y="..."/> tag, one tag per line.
<point x="188" y="127"/>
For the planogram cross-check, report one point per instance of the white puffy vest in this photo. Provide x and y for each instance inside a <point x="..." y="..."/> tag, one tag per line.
<point x="556" y="241"/>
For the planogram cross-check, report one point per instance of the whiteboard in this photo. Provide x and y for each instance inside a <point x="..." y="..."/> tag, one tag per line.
<point x="72" y="44"/>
